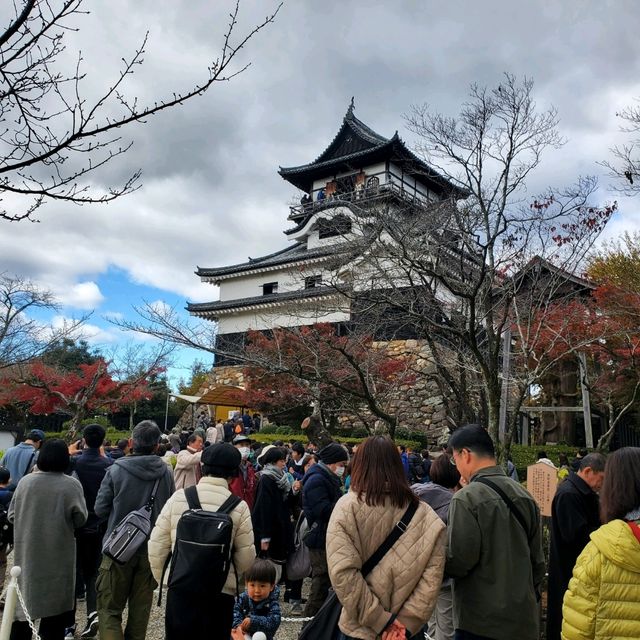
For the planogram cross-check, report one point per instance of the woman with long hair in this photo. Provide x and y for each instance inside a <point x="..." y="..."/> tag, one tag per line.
<point x="399" y="594"/>
<point x="603" y="599"/>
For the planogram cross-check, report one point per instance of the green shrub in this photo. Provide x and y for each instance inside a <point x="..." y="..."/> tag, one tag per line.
<point x="284" y="430"/>
<point x="523" y="456"/>
<point x="268" y="428"/>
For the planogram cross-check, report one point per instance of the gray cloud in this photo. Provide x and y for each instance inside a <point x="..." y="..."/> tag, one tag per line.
<point x="211" y="191"/>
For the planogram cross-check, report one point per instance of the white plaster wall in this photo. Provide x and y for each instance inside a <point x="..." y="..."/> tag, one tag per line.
<point x="264" y="319"/>
<point x="249" y="286"/>
<point x="410" y="183"/>
<point x="6" y="440"/>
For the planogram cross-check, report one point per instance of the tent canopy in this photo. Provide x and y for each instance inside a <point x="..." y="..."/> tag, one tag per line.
<point x="225" y="395"/>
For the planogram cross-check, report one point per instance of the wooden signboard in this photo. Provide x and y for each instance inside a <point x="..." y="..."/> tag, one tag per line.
<point x="542" y="482"/>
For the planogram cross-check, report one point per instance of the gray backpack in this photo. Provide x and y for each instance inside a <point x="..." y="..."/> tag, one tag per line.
<point x="131" y="532"/>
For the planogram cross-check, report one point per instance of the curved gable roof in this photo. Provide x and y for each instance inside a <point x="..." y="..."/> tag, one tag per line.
<point x="356" y="145"/>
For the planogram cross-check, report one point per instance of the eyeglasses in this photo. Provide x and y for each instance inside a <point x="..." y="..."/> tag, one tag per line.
<point x="452" y="460"/>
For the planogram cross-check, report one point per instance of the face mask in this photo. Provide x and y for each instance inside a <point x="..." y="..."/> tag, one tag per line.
<point x="244" y="451"/>
<point x="340" y="471"/>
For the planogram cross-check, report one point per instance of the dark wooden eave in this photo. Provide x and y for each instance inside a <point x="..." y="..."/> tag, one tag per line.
<point x="291" y="254"/>
<point x="202" y="309"/>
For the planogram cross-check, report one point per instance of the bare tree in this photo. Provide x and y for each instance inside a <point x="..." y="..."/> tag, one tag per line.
<point x="130" y="364"/>
<point x="625" y="166"/>
<point x="330" y="372"/>
<point x="52" y="137"/>
<point x="451" y="269"/>
<point x="22" y="337"/>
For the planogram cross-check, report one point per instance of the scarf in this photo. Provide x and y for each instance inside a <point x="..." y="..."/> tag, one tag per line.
<point x="279" y="477"/>
<point x="633" y="515"/>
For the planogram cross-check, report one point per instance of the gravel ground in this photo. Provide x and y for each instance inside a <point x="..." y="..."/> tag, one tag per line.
<point x="287" y="631"/>
<point x="155" y="631"/>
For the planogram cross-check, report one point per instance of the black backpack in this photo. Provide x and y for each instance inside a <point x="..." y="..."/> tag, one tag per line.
<point x="200" y="563"/>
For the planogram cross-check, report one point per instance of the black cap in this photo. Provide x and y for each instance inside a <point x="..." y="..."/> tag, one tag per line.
<point x="333" y="452"/>
<point x="221" y="460"/>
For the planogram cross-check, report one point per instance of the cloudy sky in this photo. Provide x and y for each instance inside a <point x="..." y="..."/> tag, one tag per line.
<point x="211" y="194"/>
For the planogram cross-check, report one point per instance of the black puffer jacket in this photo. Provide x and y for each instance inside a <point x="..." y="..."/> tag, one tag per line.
<point x="321" y="489"/>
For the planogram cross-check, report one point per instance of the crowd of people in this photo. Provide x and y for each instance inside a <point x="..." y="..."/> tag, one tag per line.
<point x="442" y="546"/>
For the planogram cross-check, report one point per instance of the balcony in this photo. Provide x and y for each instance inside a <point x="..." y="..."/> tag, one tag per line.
<point x="377" y="186"/>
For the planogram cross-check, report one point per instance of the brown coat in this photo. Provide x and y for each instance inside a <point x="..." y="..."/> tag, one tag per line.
<point x="407" y="580"/>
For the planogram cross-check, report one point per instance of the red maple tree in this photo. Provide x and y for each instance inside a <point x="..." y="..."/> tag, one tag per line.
<point x="316" y="368"/>
<point x="45" y="389"/>
<point x="606" y="327"/>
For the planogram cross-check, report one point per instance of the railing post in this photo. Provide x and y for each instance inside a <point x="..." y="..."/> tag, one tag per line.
<point x="8" y="614"/>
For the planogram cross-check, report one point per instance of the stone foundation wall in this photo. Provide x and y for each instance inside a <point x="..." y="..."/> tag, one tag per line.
<point x="419" y="406"/>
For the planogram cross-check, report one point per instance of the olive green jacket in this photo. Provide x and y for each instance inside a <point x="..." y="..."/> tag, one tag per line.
<point x="494" y="565"/>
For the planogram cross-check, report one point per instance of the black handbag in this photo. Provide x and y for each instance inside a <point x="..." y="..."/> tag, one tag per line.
<point x="324" y="625"/>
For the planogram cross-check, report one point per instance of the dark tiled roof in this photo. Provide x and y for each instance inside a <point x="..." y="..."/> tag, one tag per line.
<point x="210" y="308"/>
<point x="355" y="145"/>
<point x="293" y="253"/>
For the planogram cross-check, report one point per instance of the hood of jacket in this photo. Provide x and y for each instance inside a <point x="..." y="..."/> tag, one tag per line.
<point x="437" y="497"/>
<point x="616" y="542"/>
<point x="142" y="467"/>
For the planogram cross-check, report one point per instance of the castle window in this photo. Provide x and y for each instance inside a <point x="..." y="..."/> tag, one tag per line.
<point x="336" y="226"/>
<point x="311" y="282"/>
<point x="269" y="288"/>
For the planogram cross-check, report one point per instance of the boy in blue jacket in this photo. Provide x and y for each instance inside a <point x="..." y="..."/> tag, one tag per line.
<point x="258" y="609"/>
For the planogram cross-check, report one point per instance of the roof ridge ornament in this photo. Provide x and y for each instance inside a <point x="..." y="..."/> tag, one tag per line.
<point x="351" y="109"/>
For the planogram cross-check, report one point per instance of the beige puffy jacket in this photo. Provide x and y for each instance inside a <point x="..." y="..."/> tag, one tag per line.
<point x="187" y="470"/>
<point x="406" y="581"/>
<point x="212" y="492"/>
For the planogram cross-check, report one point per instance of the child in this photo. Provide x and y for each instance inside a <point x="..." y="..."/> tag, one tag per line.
<point x="258" y="609"/>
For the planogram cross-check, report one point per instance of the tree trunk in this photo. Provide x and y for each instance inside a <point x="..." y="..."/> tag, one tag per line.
<point x="74" y="427"/>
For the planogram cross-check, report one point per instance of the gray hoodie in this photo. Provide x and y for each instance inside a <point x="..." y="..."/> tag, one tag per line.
<point x="437" y="497"/>
<point x="127" y="486"/>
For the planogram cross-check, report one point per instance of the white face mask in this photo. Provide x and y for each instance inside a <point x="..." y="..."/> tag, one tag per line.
<point x="340" y="471"/>
<point x="244" y="452"/>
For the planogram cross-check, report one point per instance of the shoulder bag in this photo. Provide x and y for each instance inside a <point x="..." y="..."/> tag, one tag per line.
<point x="131" y="532"/>
<point x="325" y="623"/>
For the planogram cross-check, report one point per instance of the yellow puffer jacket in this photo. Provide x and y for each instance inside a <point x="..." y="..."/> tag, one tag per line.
<point x="603" y="599"/>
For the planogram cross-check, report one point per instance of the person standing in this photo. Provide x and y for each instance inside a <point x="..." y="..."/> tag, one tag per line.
<point x="127" y="486"/>
<point x="495" y="546"/>
<point x="188" y="470"/>
<point x="321" y="490"/>
<point x="603" y="597"/>
<point x="574" y="516"/>
<point x="244" y="484"/>
<point x="400" y="593"/>
<point x="271" y="514"/>
<point x="90" y="467"/>
<point x="47" y="507"/>
<point x="220" y="463"/>
<point x="445" y="480"/>
<point x="215" y="433"/>
<point x="6" y="494"/>
<point x="21" y="459"/>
